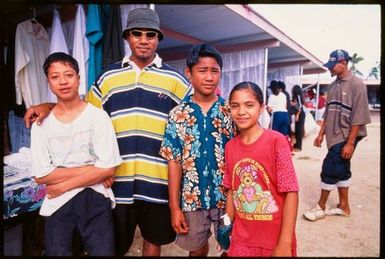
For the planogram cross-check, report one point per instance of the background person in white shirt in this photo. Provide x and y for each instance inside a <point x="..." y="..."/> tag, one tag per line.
<point x="277" y="106"/>
<point x="73" y="151"/>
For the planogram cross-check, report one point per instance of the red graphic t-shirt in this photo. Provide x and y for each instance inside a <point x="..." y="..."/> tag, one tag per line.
<point x="259" y="174"/>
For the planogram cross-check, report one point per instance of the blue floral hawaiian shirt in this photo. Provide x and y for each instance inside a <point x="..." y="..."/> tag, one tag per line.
<point x="198" y="141"/>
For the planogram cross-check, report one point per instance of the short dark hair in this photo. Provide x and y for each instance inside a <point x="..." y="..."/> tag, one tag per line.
<point x="255" y="89"/>
<point x="282" y="85"/>
<point x="203" y="50"/>
<point x="60" y="57"/>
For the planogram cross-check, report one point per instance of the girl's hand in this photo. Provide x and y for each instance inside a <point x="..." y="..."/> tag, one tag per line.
<point x="281" y="250"/>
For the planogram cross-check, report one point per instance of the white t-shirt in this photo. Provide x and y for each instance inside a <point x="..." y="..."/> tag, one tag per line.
<point x="88" y="140"/>
<point x="277" y="102"/>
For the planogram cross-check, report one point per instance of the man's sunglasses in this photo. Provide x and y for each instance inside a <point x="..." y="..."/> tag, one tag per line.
<point x="149" y="34"/>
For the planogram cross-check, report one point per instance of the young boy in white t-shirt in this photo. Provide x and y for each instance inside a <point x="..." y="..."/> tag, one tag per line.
<point x="74" y="152"/>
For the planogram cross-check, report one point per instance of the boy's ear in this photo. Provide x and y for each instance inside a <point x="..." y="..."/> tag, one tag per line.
<point x="187" y="73"/>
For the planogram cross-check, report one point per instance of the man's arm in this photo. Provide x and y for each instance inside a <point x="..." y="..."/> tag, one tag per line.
<point x="37" y="113"/>
<point x="320" y="137"/>
<point x="348" y="149"/>
<point x="178" y="220"/>
<point x="289" y="217"/>
<point x="92" y="175"/>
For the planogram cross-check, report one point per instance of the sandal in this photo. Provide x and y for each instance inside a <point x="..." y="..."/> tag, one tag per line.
<point x="336" y="211"/>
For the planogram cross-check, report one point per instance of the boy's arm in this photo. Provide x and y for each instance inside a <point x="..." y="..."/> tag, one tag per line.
<point x="61" y="174"/>
<point x="289" y="217"/>
<point x="178" y="221"/>
<point x="92" y="175"/>
<point x="37" y="113"/>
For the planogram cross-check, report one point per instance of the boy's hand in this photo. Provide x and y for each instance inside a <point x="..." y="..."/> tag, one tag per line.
<point x="108" y="182"/>
<point x="178" y="221"/>
<point x="37" y="113"/>
<point x="55" y="190"/>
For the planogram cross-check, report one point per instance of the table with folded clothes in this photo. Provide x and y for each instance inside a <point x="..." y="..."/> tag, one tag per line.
<point x="22" y="199"/>
<point x="21" y="194"/>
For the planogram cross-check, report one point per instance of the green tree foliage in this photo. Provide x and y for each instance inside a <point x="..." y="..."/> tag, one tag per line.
<point x="355" y="59"/>
<point x="375" y="72"/>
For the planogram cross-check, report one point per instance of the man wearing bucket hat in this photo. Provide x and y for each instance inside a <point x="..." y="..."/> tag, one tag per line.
<point x="138" y="93"/>
<point x="344" y="120"/>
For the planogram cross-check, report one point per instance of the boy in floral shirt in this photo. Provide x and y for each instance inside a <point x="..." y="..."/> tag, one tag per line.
<point x="196" y="133"/>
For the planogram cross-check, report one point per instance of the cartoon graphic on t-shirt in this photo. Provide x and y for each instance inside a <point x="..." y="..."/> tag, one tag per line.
<point x="250" y="199"/>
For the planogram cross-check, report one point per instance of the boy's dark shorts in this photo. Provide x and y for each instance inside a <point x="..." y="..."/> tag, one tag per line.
<point x="335" y="168"/>
<point x="153" y="219"/>
<point x="90" y="213"/>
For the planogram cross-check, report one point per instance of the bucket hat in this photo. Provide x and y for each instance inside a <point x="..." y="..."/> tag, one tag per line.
<point x="143" y="18"/>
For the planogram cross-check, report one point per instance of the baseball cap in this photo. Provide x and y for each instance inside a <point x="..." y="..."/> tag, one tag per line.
<point x="337" y="56"/>
<point x="143" y="18"/>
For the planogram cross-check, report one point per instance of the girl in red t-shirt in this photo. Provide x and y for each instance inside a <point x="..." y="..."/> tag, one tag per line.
<point x="262" y="198"/>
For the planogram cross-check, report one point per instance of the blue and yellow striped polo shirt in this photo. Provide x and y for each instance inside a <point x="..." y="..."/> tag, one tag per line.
<point x="138" y="103"/>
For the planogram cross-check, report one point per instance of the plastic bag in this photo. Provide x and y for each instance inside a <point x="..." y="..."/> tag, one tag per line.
<point x="310" y="124"/>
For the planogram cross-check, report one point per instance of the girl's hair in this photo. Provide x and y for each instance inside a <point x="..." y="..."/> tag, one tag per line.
<point x="297" y="94"/>
<point x="257" y="92"/>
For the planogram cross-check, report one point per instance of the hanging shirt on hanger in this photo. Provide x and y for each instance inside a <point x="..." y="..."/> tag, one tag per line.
<point x="80" y="48"/>
<point x="31" y="49"/>
<point x="57" y="40"/>
<point x="57" y="44"/>
<point x="94" y="33"/>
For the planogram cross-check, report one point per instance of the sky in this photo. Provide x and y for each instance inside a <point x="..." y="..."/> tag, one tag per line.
<point x="320" y="29"/>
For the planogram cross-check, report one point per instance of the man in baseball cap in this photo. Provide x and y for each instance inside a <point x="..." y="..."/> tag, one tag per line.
<point x="336" y="57"/>
<point x="344" y="125"/>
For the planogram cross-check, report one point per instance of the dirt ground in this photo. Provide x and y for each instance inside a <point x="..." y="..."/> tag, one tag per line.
<point x="334" y="236"/>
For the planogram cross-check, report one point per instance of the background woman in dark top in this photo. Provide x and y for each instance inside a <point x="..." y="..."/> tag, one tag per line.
<point x="297" y="107"/>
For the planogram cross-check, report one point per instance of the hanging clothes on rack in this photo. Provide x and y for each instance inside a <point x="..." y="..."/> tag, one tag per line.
<point x="80" y="48"/>
<point x="31" y="49"/>
<point x="57" y="44"/>
<point x="113" y="49"/>
<point x="94" y="33"/>
<point x="57" y="40"/>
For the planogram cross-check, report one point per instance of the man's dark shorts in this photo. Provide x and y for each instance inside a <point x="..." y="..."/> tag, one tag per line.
<point x="335" y="168"/>
<point x="153" y="219"/>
